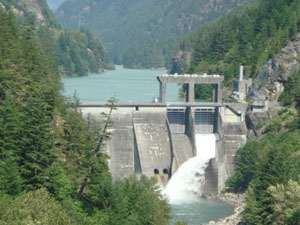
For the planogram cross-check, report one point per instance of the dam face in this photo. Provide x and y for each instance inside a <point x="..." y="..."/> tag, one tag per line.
<point x="139" y="140"/>
<point x="148" y="137"/>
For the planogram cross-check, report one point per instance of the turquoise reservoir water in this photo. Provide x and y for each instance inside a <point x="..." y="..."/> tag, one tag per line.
<point x="130" y="85"/>
<point x="200" y="211"/>
<point x="126" y="85"/>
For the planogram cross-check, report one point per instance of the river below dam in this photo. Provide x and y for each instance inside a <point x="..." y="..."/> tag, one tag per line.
<point x="134" y="85"/>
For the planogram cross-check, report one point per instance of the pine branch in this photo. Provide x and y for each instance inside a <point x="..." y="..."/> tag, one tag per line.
<point x="97" y="150"/>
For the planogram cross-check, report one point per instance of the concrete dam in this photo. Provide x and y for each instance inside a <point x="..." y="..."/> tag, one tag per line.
<point x="161" y="136"/>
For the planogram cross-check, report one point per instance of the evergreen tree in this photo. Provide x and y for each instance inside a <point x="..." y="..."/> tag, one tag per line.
<point x="38" y="151"/>
<point x="11" y="125"/>
<point x="46" y="144"/>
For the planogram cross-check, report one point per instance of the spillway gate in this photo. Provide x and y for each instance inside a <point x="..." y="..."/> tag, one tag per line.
<point x="177" y="120"/>
<point x="204" y="120"/>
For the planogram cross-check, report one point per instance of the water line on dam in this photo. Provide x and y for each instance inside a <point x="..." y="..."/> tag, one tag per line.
<point x="185" y="184"/>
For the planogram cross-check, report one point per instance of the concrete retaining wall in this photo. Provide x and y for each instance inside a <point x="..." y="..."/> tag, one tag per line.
<point x="210" y="184"/>
<point x="234" y="136"/>
<point x="232" y="132"/>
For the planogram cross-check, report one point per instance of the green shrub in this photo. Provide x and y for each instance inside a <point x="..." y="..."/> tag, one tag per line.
<point x="34" y="208"/>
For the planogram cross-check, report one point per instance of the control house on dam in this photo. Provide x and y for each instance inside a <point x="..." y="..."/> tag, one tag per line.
<point x="158" y="137"/>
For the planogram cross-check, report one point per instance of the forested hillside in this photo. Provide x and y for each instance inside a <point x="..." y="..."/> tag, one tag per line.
<point x="269" y="169"/>
<point x="52" y="170"/>
<point x="141" y="33"/>
<point x="75" y="53"/>
<point x="249" y="35"/>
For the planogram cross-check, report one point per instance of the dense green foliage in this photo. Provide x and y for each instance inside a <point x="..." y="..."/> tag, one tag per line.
<point x="75" y="53"/>
<point x="249" y="35"/>
<point x="291" y="95"/>
<point x="141" y="33"/>
<point x="278" y="163"/>
<point x="261" y="165"/>
<point x="52" y="169"/>
<point x="203" y="92"/>
<point x="270" y="169"/>
<point x="36" y="207"/>
<point x="245" y="166"/>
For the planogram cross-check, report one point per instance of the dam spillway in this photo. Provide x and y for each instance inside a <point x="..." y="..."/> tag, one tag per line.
<point x="185" y="185"/>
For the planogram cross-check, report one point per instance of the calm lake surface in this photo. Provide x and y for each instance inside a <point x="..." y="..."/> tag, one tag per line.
<point x="131" y="85"/>
<point x="126" y="85"/>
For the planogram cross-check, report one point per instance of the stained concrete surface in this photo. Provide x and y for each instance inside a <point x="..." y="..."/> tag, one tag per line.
<point x="152" y="139"/>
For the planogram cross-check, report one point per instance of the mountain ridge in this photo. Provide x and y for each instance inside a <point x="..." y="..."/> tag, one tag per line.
<point x="141" y="33"/>
<point x="249" y="35"/>
<point x="75" y="53"/>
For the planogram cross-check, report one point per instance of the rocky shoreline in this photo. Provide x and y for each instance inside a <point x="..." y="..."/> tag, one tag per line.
<point x="238" y="201"/>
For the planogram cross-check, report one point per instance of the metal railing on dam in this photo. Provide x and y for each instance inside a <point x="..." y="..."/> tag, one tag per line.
<point x="138" y="105"/>
<point x="150" y="104"/>
<point x="205" y="114"/>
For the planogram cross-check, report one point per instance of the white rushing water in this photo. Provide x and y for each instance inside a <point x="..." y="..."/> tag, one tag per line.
<point x="184" y="185"/>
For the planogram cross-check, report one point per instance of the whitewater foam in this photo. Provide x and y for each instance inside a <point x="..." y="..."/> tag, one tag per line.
<point x="185" y="184"/>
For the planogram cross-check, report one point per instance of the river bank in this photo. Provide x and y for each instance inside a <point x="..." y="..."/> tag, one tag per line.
<point x="238" y="201"/>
